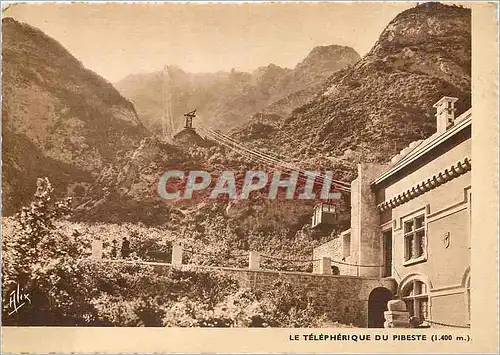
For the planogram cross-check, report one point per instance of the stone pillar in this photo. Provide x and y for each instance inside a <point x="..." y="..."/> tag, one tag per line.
<point x="397" y="316"/>
<point x="176" y="254"/>
<point x="254" y="260"/>
<point x="325" y="266"/>
<point x="97" y="249"/>
<point x="366" y="237"/>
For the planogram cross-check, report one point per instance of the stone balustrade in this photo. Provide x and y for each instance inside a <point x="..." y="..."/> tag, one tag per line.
<point x="254" y="258"/>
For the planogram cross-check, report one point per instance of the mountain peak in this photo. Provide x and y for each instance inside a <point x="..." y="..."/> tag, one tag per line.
<point x="74" y="121"/>
<point x="321" y="63"/>
<point x="384" y="101"/>
<point x="326" y="49"/>
<point x="268" y="75"/>
<point x="324" y="56"/>
<point x="430" y="38"/>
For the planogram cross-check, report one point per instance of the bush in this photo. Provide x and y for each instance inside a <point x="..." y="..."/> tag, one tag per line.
<point x="39" y="258"/>
<point x="280" y="306"/>
<point x="48" y="259"/>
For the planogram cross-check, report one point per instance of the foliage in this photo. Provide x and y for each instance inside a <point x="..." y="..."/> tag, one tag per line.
<point x="48" y="259"/>
<point x="41" y="260"/>
<point x="138" y="295"/>
<point x="280" y="306"/>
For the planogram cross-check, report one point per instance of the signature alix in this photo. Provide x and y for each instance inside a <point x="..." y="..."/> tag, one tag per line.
<point x="17" y="299"/>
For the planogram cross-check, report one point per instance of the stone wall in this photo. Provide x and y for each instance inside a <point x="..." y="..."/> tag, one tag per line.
<point x="365" y="235"/>
<point x="343" y="298"/>
<point x="334" y="249"/>
<point x="368" y="239"/>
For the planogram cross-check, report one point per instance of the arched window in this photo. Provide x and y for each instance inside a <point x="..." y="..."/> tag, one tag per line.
<point x="467" y="293"/>
<point x="415" y="295"/>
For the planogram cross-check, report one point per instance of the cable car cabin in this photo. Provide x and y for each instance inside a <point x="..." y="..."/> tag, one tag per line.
<point x="324" y="215"/>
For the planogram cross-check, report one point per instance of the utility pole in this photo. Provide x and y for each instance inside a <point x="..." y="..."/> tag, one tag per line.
<point x="167" y="117"/>
<point x="164" y="118"/>
<point x="171" y="114"/>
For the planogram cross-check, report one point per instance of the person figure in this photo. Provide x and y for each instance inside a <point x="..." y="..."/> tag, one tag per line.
<point x="114" y="249"/>
<point x="125" y="248"/>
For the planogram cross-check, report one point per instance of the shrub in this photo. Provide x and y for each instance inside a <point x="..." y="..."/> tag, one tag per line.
<point x="48" y="260"/>
<point x="41" y="259"/>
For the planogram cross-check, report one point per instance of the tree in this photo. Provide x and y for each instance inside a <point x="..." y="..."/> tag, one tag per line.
<point x="42" y="260"/>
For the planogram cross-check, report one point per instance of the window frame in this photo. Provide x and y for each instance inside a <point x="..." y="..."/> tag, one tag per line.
<point x="383" y="250"/>
<point x="408" y="294"/>
<point x="316" y="216"/>
<point x="411" y="237"/>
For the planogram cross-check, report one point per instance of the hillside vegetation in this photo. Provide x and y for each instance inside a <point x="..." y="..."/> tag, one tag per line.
<point x="59" y="119"/>
<point x="367" y="111"/>
<point x="66" y="123"/>
<point x="49" y="258"/>
<point x="371" y="110"/>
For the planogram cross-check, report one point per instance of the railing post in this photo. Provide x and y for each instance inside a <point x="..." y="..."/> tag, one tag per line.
<point x="96" y="249"/>
<point x="254" y="260"/>
<point x="176" y="254"/>
<point x="325" y="266"/>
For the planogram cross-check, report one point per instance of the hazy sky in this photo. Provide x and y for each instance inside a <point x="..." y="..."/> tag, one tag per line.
<point x="117" y="39"/>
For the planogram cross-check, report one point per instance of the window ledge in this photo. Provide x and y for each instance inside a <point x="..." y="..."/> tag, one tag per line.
<point x="420" y="259"/>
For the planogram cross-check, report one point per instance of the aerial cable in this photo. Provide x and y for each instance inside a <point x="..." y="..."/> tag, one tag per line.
<point x="347" y="185"/>
<point x="260" y="158"/>
<point x="219" y="137"/>
<point x="267" y="159"/>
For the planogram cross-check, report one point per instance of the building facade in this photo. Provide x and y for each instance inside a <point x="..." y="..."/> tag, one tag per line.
<point x="410" y="221"/>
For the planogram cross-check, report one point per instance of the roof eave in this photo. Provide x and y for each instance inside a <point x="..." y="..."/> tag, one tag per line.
<point x="438" y="140"/>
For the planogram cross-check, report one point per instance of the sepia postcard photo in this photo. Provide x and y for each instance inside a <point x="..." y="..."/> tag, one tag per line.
<point x="249" y="177"/>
